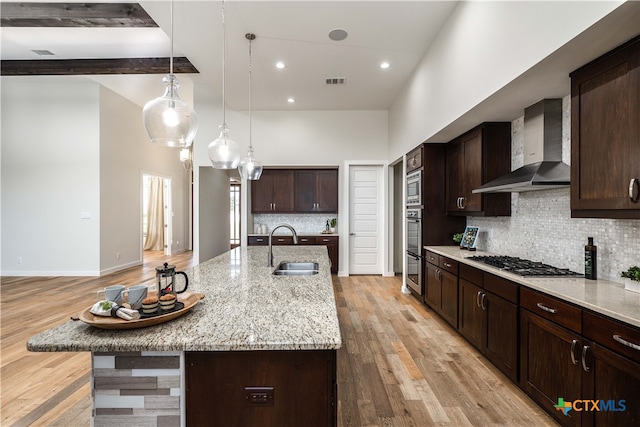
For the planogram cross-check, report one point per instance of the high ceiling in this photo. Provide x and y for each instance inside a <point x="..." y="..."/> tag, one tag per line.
<point x="294" y="32"/>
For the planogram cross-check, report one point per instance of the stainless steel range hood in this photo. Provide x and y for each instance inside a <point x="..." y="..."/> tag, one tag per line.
<point x="544" y="167"/>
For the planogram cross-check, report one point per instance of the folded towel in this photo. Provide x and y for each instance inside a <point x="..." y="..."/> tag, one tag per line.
<point x="110" y="308"/>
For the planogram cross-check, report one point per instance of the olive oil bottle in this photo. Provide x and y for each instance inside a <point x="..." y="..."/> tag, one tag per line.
<point x="590" y="260"/>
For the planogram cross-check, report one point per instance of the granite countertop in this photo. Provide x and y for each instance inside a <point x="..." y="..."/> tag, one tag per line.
<point x="245" y="308"/>
<point x="601" y="296"/>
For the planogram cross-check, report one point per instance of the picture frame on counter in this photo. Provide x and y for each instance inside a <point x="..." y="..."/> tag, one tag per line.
<point x="469" y="238"/>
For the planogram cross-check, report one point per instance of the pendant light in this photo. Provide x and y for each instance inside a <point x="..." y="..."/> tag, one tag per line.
<point x="224" y="152"/>
<point x="249" y="167"/>
<point x="169" y="121"/>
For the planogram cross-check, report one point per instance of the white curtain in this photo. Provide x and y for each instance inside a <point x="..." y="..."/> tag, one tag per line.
<point x="155" y="216"/>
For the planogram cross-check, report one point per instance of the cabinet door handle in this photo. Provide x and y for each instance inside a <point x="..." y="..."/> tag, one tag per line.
<point x="584" y="358"/>
<point x="462" y="202"/>
<point x="458" y="203"/>
<point x="478" y="299"/>
<point x="483" y="302"/>
<point x="634" y="190"/>
<point x="574" y="343"/>
<point x="545" y="308"/>
<point x="625" y="342"/>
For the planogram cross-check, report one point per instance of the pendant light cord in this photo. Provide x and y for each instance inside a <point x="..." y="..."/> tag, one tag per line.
<point x="224" y="58"/>
<point x="171" y="55"/>
<point x="250" y="93"/>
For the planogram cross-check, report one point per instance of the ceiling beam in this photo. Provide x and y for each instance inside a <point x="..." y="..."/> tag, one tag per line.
<point x="70" y="67"/>
<point x="74" y="15"/>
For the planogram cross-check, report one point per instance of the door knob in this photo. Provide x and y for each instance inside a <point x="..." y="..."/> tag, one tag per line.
<point x="352" y="234"/>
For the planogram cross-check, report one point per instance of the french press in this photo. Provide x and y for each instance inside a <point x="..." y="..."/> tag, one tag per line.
<point x="166" y="280"/>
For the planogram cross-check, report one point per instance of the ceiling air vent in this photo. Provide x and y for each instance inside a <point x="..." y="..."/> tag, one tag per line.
<point x="43" y="52"/>
<point x="336" y="81"/>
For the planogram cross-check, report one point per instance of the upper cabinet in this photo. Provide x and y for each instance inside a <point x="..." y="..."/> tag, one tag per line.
<point x="473" y="159"/>
<point x="605" y="135"/>
<point x="316" y="190"/>
<point x="273" y="192"/>
<point x="295" y="191"/>
<point x="414" y="159"/>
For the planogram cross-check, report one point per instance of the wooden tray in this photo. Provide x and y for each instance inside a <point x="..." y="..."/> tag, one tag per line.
<point x="189" y="299"/>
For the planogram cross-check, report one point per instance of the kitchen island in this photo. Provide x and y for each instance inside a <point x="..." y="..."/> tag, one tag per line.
<point x="250" y="347"/>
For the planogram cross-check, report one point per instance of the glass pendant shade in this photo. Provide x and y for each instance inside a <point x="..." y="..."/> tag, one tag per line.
<point x="169" y="121"/>
<point x="250" y="168"/>
<point x="224" y="153"/>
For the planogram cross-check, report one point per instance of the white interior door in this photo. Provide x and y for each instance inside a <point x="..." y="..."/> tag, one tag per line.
<point x="365" y="228"/>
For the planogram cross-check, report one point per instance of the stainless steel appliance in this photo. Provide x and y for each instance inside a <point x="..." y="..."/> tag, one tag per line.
<point x="525" y="267"/>
<point x="414" y="250"/>
<point x="414" y="188"/>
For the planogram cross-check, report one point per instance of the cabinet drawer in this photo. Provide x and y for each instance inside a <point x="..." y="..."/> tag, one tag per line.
<point x="471" y="274"/>
<point x="306" y="240"/>
<point x="258" y="240"/>
<point x="449" y="265"/>
<point x="501" y="287"/>
<point x="617" y="336"/>
<point x="432" y="258"/>
<point x="281" y="240"/>
<point x="553" y="309"/>
<point x="326" y="240"/>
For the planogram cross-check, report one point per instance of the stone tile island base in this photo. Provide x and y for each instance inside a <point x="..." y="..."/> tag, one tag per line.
<point x="137" y="389"/>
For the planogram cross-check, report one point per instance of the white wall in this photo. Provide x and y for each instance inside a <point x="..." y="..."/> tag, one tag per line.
<point x="50" y="175"/>
<point x="70" y="146"/>
<point x="483" y="47"/>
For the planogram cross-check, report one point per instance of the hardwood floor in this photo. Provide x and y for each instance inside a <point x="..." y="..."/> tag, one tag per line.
<point x="399" y="365"/>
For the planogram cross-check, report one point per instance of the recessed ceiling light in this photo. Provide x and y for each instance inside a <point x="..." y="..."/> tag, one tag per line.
<point x="338" y="34"/>
<point x="291" y="100"/>
<point x="384" y="65"/>
<point x="280" y="64"/>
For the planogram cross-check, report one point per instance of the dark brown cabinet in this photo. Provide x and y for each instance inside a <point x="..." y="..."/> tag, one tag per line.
<point x="331" y="242"/>
<point x="316" y="190"/>
<point x="261" y="388"/>
<point x="273" y="192"/>
<point x="473" y="159"/>
<point x="488" y="317"/>
<point x="441" y="287"/>
<point x="605" y="135"/>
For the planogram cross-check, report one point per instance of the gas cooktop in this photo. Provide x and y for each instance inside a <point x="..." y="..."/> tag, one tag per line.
<point x="525" y="267"/>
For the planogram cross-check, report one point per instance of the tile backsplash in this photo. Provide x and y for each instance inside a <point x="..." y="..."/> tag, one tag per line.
<point x="303" y="223"/>
<point x="541" y="228"/>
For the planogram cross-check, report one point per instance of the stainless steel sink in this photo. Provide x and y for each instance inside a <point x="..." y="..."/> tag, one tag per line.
<point x="296" y="269"/>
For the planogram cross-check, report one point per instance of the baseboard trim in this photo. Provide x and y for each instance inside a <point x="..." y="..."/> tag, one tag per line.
<point x="120" y="267"/>
<point x="49" y="273"/>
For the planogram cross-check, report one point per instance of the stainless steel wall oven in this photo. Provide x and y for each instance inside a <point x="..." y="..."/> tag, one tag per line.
<point x="414" y="250"/>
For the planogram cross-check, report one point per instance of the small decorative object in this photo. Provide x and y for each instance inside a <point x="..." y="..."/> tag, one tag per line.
<point x="333" y="223"/>
<point x="469" y="238"/>
<point x="633" y="279"/>
<point x="457" y="238"/>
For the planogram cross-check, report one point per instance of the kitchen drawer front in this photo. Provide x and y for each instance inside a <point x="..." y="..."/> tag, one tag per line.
<point x="472" y="274"/>
<point x="552" y="309"/>
<point x="501" y="287"/>
<point x="621" y="338"/>
<point x="432" y="258"/>
<point x="281" y="240"/>
<point x="306" y="240"/>
<point x="258" y="240"/>
<point x="326" y="240"/>
<point x="449" y="265"/>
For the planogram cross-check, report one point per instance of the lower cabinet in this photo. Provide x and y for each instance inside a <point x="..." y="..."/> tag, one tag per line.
<point x="441" y="287"/>
<point x="331" y="242"/>
<point x="261" y="388"/>
<point x="489" y="320"/>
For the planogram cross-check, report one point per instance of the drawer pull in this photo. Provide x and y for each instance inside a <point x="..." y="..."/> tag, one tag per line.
<point x="625" y="342"/>
<point x="574" y="343"/>
<point x="446" y="264"/>
<point x="545" y="308"/>
<point x="584" y="358"/>
<point x="633" y="190"/>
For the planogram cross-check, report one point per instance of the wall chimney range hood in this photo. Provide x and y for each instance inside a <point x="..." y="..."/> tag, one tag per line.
<point x="544" y="168"/>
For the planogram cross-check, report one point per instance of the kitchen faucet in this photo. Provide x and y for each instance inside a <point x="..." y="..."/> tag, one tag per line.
<point x="295" y="241"/>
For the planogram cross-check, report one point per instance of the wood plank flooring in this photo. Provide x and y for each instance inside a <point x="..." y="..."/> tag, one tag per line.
<point x="399" y="365"/>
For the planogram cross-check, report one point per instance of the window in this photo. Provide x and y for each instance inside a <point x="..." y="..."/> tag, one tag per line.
<point x="234" y="215"/>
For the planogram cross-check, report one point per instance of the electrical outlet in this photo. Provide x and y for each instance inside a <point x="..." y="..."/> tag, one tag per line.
<point x="19" y="260"/>
<point x="117" y="255"/>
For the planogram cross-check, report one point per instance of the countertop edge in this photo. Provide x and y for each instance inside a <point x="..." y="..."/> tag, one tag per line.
<point x="613" y="288"/>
